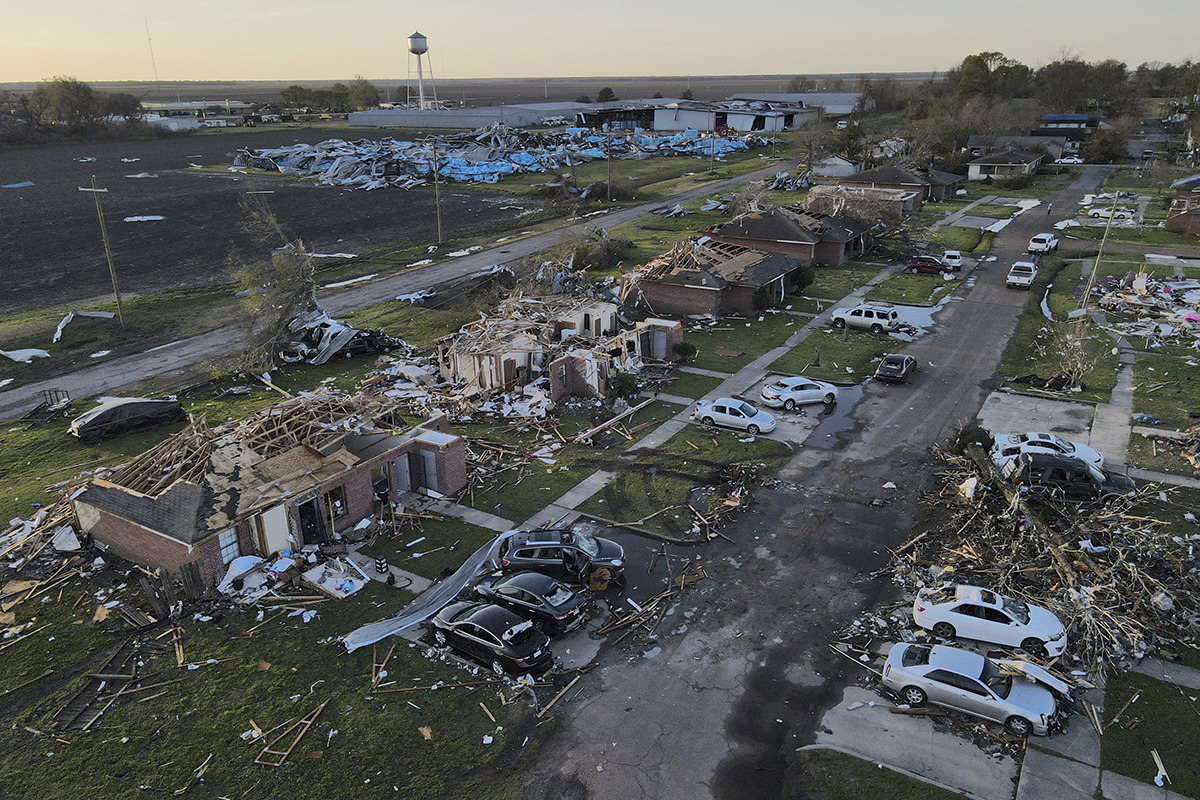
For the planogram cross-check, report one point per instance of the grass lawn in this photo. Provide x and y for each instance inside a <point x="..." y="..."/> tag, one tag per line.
<point x="1164" y="386"/>
<point x="830" y="775"/>
<point x="968" y="241"/>
<point x="918" y="290"/>
<point x="1170" y="724"/>
<point x="688" y="384"/>
<point x="661" y="479"/>
<point x="1143" y="453"/>
<point x="748" y="338"/>
<point x="425" y="558"/>
<point x="1151" y="237"/>
<point x="834" y="283"/>
<point x="653" y="235"/>
<point x="993" y="211"/>
<point x="845" y="355"/>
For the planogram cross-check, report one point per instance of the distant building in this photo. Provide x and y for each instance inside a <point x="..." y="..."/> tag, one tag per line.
<point x="925" y="185"/>
<point x="835" y="167"/>
<point x="980" y="145"/>
<point x="809" y="237"/>
<point x="1072" y="127"/>
<point x="832" y="104"/>
<point x="1184" y="215"/>
<point x="1004" y="165"/>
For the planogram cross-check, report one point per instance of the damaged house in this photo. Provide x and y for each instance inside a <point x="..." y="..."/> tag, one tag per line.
<point x="925" y="185"/>
<point x="810" y="237"/>
<point x="706" y="276"/>
<point x="1184" y="214"/>
<point x="1005" y="164"/>
<point x="301" y="472"/>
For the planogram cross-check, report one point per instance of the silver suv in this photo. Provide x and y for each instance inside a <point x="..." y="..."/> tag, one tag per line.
<point x="875" y="317"/>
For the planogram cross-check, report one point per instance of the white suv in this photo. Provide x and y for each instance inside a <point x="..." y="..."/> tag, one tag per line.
<point x="1043" y="243"/>
<point x="875" y="317"/>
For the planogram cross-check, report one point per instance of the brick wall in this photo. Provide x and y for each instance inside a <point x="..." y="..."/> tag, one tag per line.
<point x="672" y="298"/>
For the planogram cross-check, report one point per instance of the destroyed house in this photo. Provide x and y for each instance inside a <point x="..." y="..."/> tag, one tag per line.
<point x="809" y="237"/>
<point x="301" y="472"/>
<point x="927" y="185"/>
<point x="585" y="372"/>
<point x="1184" y="214"/>
<point x="712" y="277"/>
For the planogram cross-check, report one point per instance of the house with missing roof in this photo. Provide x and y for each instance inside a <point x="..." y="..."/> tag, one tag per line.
<point x="923" y="185"/>
<point x="1184" y="214"/>
<point x="811" y="238"/>
<point x="303" y="472"/>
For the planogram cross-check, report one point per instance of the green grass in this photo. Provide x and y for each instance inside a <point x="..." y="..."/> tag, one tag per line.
<point x="1151" y="237"/>
<point x="653" y="235"/>
<point x="688" y="384"/>
<point x="432" y="563"/>
<point x="1170" y="724"/>
<point x="993" y="211"/>
<point x="837" y="351"/>
<point x="830" y="775"/>
<point x="1165" y="387"/>
<point x="1164" y="457"/>
<point x="750" y="338"/>
<point x="834" y="283"/>
<point x="661" y="479"/>
<point x="969" y="241"/>
<point x="919" y="290"/>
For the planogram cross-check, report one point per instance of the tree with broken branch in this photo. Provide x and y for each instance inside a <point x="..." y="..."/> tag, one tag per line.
<point x="1070" y="350"/>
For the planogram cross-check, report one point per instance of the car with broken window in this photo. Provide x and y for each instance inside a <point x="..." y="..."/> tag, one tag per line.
<point x="968" y="682"/>
<point x="1056" y="478"/>
<point x="973" y="612"/>
<point x="874" y="317"/>
<point x="554" y="607"/>
<point x="1008" y="447"/>
<point x="117" y="416"/>
<point x="729" y="413"/>
<point x="895" y="368"/>
<point x="560" y="552"/>
<point x="1021" y="275"/>
<point x="494" y="636"/>
<point x="787" y="393"/>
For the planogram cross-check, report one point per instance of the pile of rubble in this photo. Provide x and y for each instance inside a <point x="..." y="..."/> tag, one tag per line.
<point x="1158" y="310"/>
<point x="485" y="155"/>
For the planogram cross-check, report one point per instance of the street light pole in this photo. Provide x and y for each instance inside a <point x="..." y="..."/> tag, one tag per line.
<point x="112" y="270"/>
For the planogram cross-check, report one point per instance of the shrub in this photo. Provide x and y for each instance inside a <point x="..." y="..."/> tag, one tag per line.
<point x="686" y="351"/>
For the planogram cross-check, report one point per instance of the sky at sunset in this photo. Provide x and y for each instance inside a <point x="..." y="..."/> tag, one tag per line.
<point x="306" y="40"/>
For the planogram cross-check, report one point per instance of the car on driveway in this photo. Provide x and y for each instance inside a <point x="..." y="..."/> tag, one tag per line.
<point x="1117" y="213"/>
<point x="729" y="413"/>
<point x="968" y="682"/>
<point x="787" y="393"/>
<point x="1021" y="275"/>
<point x="953" y="259"/>
<point x="928" y="264"/>
<point x="895" y="368"/>
<point x="493" y="636"/>
<point x="1008" y="447"/>
<point x="118" y="416"/>
<point x="1052" y="477"/>
<point x="553" y="606"/>
<point x="875" y="317"/>
<point x="560" y="552"/>
<point x="981" y="614"/>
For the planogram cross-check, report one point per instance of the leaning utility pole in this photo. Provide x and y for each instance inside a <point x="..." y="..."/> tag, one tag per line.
<point x="112" y="270"/>
<point x="437" y="190"/>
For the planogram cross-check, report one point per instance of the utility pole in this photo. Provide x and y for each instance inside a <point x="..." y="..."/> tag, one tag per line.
<point x="112" y="270"/>
<point x="437" y="190"/>
<point x="608" y="142"/>
<point x="712" y="143"/>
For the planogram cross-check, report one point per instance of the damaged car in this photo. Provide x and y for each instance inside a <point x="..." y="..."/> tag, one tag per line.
<point x="493" y="636"/>
<point x="117" y="416"/>
<point x="973" y="612"/>
<point x="1002" y="691"/>
<point x="314" y="337"/>
<point x="552" y="605"/>
<point x="561" y="552"/>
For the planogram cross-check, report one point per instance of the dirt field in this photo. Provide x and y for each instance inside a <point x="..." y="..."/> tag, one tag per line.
<point x="50" y="245"/>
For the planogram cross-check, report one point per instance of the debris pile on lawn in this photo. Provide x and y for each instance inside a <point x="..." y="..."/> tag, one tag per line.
<point x="1158" y="310"/>
<point x="485" y="155"/>
<point x="732" y="491"/>
<point x="1117" y="580"/>
<point x="314" y="337"/>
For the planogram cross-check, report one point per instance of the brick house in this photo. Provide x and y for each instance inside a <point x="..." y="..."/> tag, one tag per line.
<point x="890" y="176"/>
<point x="707" y="276"/>
<point x="810" y="237"/>
<point x="1184" y="215"/>
<point x="584" y="372"/>
<point x="301" y="472"/>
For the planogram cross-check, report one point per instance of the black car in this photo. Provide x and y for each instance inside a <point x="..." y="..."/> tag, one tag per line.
<point x="118" y="416"/>
<point x="1047" y="476"/>
<point x="493" y="636"/>
<point x="552" y="605"/>
<point x="561" y="552"/>
<point x="895" y="368"/>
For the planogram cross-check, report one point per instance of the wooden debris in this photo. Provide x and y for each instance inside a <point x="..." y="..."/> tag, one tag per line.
<point x="273" y="757"/>
<point x="564" y="690"/>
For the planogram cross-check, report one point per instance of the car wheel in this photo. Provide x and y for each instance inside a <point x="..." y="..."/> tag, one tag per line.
<point x="707" y="420"/>
<point x="914" y="696"/>
<point x="944" y="630"/>
<point x="1018" y="726"/>
<point x="498" y="668"/>
<point x="1035" y="647"/>
<point x="439" y="637"/>
<point x="830" y="399"/>
<point x="839" y="323"/>
<point x="752" y="430"/>
<point x="876" y="329"/>
<point x="789" y="405"/>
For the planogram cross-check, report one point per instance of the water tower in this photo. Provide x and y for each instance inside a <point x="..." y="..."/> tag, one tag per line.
<point x="418" y="45"/>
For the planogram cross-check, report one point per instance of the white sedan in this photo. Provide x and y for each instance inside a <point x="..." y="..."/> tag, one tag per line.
<point x="1006" y="448"/>
<point x="1104" y="213"/>
<point x="787" y="393"/>
<point x="1069" y="160"/>
<point x="730" y="413"/>
<point x="984" y="615"/>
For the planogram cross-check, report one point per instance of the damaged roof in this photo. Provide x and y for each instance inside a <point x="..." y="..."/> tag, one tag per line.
<point x="889" y="174"/>
<point x="719" y="263"/>
<point x="1009" y="157"/>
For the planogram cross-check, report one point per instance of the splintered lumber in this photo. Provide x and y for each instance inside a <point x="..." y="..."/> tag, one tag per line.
<point x="565" y="689"/>
<point x="275" y="758"/>
<point x="604" y="425"/>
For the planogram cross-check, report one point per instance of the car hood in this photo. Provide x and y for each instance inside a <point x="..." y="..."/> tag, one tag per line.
<point x="1044" y="622"/>
<point x="610" y="552"/>
<point x="764" y="421"/>
<point x="1032" y="697"/>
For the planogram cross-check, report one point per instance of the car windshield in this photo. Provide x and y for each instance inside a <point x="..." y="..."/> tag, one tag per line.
<point x="1017" y="609"/>
<point x="998" y="682"/>
<point x="519" y="633"/>
<point x="747" y="409"/>
<point x="1097" y="474"/>
<point x="914" y="656"/>
<point x="587" y="543"/>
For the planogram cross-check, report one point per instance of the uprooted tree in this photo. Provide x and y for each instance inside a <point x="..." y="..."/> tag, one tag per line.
<point x="1069" y="349"/>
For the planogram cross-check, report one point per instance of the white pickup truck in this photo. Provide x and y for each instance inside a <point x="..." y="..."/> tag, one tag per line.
<point x="1043" y="243"/>
<point x="1021" y="275"/>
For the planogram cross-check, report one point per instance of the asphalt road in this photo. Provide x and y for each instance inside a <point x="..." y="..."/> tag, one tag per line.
<point x="738" y="678"/>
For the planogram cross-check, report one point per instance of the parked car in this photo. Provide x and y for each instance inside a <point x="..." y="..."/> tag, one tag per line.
<point x="875" y="317"/>
<point x="560" y="552"/>
<point x="1117" y="213"/>
<point x="968" y="682"/>
<point x="1053" y="477"/>
<point x="931" y="264"/>
<point x="787" y="393"/>
<point x="1009" y="447"/>
<point x="953" y="259"/>
<point x="981" y="614"/>
<point x="1069" y="160"/>
<point x="492" y="635"/>
<point x="1021" y="275"/>
<point x="730" y="413"/>
<point x="1043" y="243"/>
<point x="552" y="605"/>
<point x="118" y="416"/>
<point x="895" y="368"/>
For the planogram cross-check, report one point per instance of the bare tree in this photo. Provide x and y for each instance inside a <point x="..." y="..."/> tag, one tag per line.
<point x="1068" y="349"/>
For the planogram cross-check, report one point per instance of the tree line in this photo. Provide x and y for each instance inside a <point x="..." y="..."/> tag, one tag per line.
<point x="67" y="106"/>
<point x="339" y="98"/>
